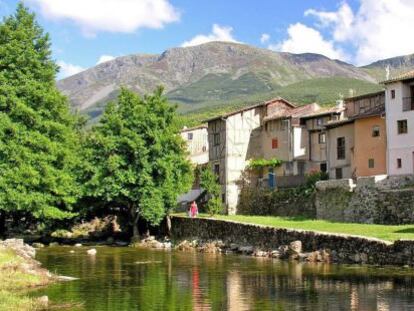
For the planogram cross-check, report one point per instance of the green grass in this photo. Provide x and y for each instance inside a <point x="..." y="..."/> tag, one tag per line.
<point x="13" y="280"/>
<point x="383" y="232"/>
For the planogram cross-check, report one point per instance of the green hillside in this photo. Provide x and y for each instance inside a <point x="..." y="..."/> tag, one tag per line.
<point x="324" y="91"/>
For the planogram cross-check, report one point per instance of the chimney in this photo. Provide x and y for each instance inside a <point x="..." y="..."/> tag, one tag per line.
<point x="340" y="103"/>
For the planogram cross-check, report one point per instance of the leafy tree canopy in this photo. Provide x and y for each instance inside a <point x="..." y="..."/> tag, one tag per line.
<point x="38" y="140"/>
<point x="137" y="158"/>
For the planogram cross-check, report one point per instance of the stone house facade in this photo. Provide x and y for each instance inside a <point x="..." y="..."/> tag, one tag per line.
<point x="399" y="103"/>
<point x="234" y="139"/>
<point x="271" y="130"/>
<point x="317" y="140"/>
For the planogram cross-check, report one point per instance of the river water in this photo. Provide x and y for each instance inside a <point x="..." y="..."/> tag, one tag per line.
<point x="141" y="279"/>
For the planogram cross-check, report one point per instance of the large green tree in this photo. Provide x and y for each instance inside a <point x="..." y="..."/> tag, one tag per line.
<point x="38" y="137"/>
<point x="137" y="158"/>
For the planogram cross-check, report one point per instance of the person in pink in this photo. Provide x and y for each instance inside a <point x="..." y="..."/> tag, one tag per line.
<point x="194" y="209"/>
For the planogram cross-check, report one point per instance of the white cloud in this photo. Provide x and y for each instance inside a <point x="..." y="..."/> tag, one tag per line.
<point x="378" y="29"/>
<point x="219" y="33"/>
<point x="67" y="69"/>
<point x="105" y="58"/>
<point x="110" y="15"/>
<point x="264" y="38"/>
<point x="304" y="39"/>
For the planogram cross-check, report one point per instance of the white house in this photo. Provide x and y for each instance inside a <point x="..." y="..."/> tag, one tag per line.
<point x="197" y="143"/>
<point x="399" y="108"/>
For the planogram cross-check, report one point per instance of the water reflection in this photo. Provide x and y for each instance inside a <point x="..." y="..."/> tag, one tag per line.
<point x="138" y="279"/>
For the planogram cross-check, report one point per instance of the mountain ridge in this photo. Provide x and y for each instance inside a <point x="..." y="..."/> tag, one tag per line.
<point x="193" y="77"/>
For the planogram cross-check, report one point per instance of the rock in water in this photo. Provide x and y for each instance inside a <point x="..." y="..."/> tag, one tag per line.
<point x="91" y="252"/>
<point x="295" y="247"/>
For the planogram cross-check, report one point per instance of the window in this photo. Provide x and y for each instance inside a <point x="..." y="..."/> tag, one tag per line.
<point x="402" y="126"/>
<point x="340" y="148"/>
<point x="275" y="143"/>
<point x="323" y="167"/>
<point x="399" y="163"/>
<point x="216" y="139"/>
<point x="338" y="173"/>
<point x="190" y="136"/>
<point x="322" y="138"/>
<point x="371" y="163"/>
<point x="375" y="131"/>
<point x="392" y="94"/>
<point x="319" y="121"/>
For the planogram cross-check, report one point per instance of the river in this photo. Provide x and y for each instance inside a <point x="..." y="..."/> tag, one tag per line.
<point x="141" y="279"/>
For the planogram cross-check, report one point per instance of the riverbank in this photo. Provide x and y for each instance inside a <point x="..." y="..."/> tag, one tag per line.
<point x="19" y="271"/>
<point x="267" y="240"/>
<point x="382" y="232"/>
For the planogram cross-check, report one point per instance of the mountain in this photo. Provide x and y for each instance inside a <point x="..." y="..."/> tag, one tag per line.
<point x="219" y="74"/>
<point x="397" y="65"/>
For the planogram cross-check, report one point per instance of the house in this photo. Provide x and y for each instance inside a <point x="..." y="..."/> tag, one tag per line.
<point x="315" y="125"/>
<point x="340" y="148"/>
<point x="399" y="107"/>
<point x="370" y="137"/>
<point x="268" y="131"/>
<point x="234" y="139"/>
<point x="197" y="143"/>
<point x="356" y="145"/>
<point x="197" y="147"/>
<point x="286" y="139"/>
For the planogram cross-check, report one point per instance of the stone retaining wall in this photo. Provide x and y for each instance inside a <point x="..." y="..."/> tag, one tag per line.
<point x="377" y="199"/>
<point x="343" y="248"/>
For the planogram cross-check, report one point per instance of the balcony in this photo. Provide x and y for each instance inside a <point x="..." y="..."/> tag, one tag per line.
<point x="408" y="103"/>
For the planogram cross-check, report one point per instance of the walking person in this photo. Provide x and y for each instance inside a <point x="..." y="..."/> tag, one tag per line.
<point x="194" y="209"/>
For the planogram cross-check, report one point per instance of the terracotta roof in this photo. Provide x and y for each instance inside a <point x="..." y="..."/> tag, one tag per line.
<point x="224" y="116"/>
<point x="364" y="96"/>
<point x="404" y="76"/>
<point x="323" y="111"/>
<point x="293" y="113"/>
<point x="376" y="111"/>
<point x="338" y="123"/>
<point x="187" y="129"/>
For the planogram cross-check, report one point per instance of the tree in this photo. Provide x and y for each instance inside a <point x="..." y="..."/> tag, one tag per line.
<point x="137" y="158"/>
<point x="212" y="187"/>
<point x="38" y="137"/>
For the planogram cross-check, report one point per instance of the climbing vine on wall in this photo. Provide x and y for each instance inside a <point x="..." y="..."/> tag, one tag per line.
<point x="261" y="163"/>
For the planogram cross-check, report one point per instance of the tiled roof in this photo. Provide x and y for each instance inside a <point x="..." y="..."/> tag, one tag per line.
<point x="293" y="113"/>
<point x="323" y="111"/>
<point x="404" y="76"/>
<point x="223" y="116"/>
<point x="338" y="123"/>
<point x="188" y="129"/>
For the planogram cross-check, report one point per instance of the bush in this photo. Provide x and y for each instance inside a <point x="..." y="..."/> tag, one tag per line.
<point x="214" y="206"/>
<point x="210" y="184"/>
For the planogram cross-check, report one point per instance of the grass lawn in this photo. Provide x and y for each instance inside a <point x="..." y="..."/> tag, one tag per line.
<point x="384" y="232"/>
<point x="12" y="280"/>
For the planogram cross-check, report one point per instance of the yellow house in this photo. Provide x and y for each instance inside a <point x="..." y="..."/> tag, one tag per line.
<point x="356" y="146"/>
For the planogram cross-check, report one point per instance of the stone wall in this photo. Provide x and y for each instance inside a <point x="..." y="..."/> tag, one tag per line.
<point x="287" y="202"/>
<point x="343" y="248"/>
<point x="377" y="199"/>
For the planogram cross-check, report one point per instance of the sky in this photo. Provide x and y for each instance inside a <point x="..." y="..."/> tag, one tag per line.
<point x="87" y="32"/>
